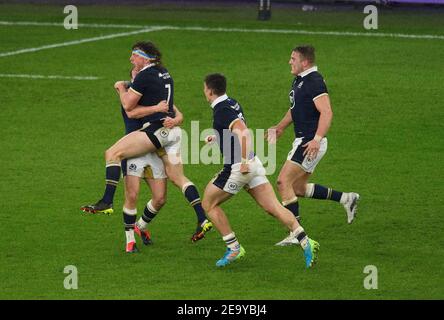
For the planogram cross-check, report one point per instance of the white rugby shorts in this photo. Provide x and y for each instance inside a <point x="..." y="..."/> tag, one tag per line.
<point x="230" y="180"/>
<point x="149" y="165"/>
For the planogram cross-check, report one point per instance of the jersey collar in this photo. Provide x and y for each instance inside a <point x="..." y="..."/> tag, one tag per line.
<point x="218" y="100"/>
<point x="147" y="66"/>
<point x="308" y="71"/>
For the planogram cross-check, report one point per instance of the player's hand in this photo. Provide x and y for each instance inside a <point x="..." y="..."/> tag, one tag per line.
<point x="134" y="73"/>
<point x="311" y="149"/>
<point x="162" y="106"/>
<point x="244" y="168"/>
<point x="273" y="134"/>
<point x="119" y="86"/>
<point x="210" y="139"/>
<point x="169" y="122"/>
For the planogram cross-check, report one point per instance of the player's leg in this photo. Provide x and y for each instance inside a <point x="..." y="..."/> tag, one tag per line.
<point x="158" y="188"/>
<point x="134" y="170"/>
<point x="132" y="187"/>
<point x="174" y="170"/>
<point x="154" y="174"/>
<point x="289" y="174"/>
<point x="315" y="191"/>
<point x="266" y="198"/>
<point x="302" y="188"/>
<point x="131" y="145"/>
<point x="213" y="198"/>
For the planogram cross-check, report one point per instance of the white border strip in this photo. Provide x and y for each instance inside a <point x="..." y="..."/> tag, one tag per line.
<point x="71" y="43"/>
<point x="321" y="33"/>
<point x="38" y="76"/>
<point x="58" y="24"/>
<point x="279" y="31"/>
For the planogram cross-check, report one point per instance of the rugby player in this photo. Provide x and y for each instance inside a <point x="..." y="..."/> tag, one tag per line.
<point x="242" y="169"/>
<point x="311" y="115"/>
<point x="152" y="85"/>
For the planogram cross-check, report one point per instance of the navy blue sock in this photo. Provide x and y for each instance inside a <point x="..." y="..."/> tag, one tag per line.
<point x="193" y="198"/>
<point x="324" y="193"/>
<point x="336" y="195"/>
<point x="301" y="236"/>
<point x="148" y="215"/>
<point x="112" y="179"/>
<point x="129" y="221"/>
<point x="294" y="208"/>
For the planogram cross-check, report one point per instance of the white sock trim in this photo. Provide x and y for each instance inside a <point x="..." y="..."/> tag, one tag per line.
<point x="141" y="224"/>
<point x="297" y="231"/>
<point x="287" y="202"/>
<point x="309" y="190"/>
<point x="130" y="212"/>
<point x="112" y="164"/>
<point x="150" y="207"/>
<point x="344" y="198"/>
<point x="130" y="236"/>
<point x="229" y="236"/>
<point x="186" y="185"/>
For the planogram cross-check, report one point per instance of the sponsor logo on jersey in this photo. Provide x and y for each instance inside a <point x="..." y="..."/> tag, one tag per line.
<point x="165" y="75"/>
<point x="236" y="107"/>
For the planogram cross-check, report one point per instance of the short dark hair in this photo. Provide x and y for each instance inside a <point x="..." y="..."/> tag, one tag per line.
<point x="149" y="48"/>
<point x="307" y="52"/>
<point x="216" y="82"/>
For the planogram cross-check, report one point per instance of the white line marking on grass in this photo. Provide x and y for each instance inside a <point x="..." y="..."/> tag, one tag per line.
<point x="75" y="42"/>
<point x="58" y="24"/>
<point x="279" y="31"/>
<point x="322" y="33"/>
<point x="39" y="76"/>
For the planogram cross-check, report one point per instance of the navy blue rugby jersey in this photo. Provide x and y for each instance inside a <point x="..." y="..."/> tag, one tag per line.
<point x="305" y="116"/>
<point x="154" y="84"/>
<point x="225" y="111"/>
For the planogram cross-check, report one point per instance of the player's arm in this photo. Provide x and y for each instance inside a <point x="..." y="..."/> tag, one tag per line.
<point x="173" y="122"/>
<point x="326" y="115"/>
<point x="322" y="104"/>
<point x="179" y="116"/>
<point x="129" y="98"/>
<point x="143" y="111"/>
<point x="286" y="121"/>
<point x="239" y="128"/>
<point x="275" y="132"/>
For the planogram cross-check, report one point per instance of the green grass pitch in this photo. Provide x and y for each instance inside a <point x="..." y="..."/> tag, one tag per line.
<point x="385" y="143"/>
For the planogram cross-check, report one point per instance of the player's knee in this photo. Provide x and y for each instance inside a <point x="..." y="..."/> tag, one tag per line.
<point x="282" y="183"/>
<point x="112" y="155"/>
<point x="131" y="197"/>
<point x="299" y="190"/>
<point x="159" y="201"/>
<point x="206" y="205"/>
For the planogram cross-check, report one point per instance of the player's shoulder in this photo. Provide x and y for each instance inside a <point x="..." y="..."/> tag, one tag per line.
<point x="315" y="76"/>
<point x="161" y="72"/>
<point x="316" y="80"/>
<point x="233" y="104"/>
<point x="229" y="105"/>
